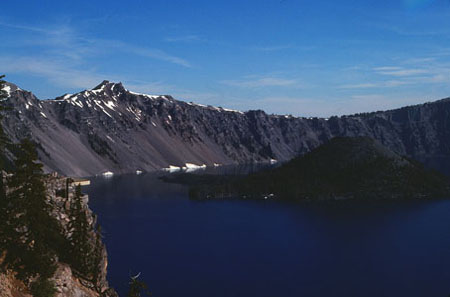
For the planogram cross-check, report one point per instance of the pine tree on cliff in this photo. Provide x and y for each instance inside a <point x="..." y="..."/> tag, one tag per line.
<point x="25" y="225"/>
<point x="34" y="236"/>
<point x="97" y="259"/>
<point x="86" y="246"/>
<point x="81" y="249"/>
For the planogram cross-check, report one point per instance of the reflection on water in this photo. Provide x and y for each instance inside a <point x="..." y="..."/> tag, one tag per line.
<point x="269" y="248"/>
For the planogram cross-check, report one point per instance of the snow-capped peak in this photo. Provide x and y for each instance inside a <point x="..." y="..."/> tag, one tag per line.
<point x="9" y="88"/>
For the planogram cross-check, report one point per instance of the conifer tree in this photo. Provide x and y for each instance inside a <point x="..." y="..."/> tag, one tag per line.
<point x="80" y="233"/>
<point x="86" y="246"/>
<point x="34" y="236"/>
<point x="97" y="257"/>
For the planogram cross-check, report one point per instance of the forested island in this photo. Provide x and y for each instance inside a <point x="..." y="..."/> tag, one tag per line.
<point x="343" y="168"/>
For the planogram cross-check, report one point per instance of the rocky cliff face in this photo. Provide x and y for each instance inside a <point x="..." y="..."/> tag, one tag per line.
<point x="67" y="282"/>
<point x="110" y="128"/>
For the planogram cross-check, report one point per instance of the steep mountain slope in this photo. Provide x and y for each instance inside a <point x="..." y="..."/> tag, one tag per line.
<point x="110" y="128"/>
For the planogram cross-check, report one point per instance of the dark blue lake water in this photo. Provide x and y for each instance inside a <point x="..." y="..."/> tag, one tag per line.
<point x="270" y="248"/>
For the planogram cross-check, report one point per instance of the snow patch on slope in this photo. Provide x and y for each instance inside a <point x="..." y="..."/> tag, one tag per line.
<point x="219" y="109"/>
<point x="98" y="91"/>
<point x="110" y="105"/>
<point x="7" y="89"/>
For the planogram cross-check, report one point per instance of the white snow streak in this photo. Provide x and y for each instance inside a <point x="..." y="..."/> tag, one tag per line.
<point x="98" y="90"/>
<point x="110" y="105"/>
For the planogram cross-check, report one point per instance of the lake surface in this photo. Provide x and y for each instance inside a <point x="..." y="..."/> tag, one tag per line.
<point x="270" y="248"/>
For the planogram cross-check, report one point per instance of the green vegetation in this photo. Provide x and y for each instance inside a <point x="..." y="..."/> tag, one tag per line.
<point x="33" y="236"/>
<point x="343" y="168"/>
<point x="79" y="228"/>
<point x="96" y="256"/>
<point x="32" y="241"/>
<point x="43" y="288"/>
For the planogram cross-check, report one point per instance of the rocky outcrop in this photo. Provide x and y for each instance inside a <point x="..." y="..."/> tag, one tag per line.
<point x="11" y="287"/>
<point x="112" y="129"/>
<point x="60" y="192"/>
<point x="68" y="285"/>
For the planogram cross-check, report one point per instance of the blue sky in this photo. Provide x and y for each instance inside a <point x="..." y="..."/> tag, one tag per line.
<point x="305" y="58"/>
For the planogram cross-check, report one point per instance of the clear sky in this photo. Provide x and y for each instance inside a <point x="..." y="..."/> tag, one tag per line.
<point x="306" y="58"/>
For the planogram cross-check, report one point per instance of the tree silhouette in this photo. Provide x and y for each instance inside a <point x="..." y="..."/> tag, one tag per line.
<point x="97" y="257"/>
<point x="137" y="288"/>
<point x="31" y="238"/>
<point x="80" y="233"/>
<point x="33" y="235"/>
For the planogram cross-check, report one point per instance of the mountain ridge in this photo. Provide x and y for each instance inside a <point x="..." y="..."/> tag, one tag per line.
<point x="110" y="128"/>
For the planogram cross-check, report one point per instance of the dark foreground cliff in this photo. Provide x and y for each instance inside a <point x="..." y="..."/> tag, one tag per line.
<point x="112" y="129"/>
<point x="343" y="168"/>
<point x="67" y="281"/>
